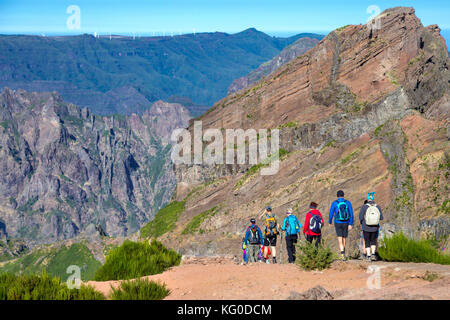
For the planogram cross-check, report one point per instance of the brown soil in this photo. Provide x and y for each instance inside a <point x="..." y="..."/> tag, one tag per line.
<point x="221" y="278"/>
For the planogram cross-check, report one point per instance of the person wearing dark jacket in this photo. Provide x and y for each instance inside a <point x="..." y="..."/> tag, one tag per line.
<point x="308" y="229"/>
<point x="253" y="241"/>
<point x="291" y="227"/>
<point x="370" y="213"/>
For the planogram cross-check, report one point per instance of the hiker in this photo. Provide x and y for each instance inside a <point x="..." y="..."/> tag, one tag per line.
<point x="270" y="235"/>
<point x="342" y="212"/>
<point x="370" y="216"/>
<point x="292" y="227"/>
<point x="253" y="241"/>
<point x="313" y="225"/>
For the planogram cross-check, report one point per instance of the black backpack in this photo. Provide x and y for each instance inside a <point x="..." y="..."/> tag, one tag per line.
<point x="254" y="235"/>
<point x="315" y="223"/>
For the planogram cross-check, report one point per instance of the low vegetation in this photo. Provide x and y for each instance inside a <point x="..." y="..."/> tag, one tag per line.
<point x="430" y="276"/>
<point x="140" y="289"/>
<point x="164" y="220"/>
<point x="310" y="257"/>
<point x="42" y="287"/>
<point x="55" y="261"/>
<point x="136" y="259"/>
<point x="350" y="157"/>
<point x="282" y="153"/>
<point x="194" y="225"/>
<point x="401" y="248"/>
<point x="291" y="124"/>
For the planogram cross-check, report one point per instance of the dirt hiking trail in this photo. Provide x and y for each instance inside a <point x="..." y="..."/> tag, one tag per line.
<point x="216" y="278"/>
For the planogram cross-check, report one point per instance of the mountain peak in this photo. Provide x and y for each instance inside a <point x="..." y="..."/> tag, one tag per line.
<point x="348" y="110"/>
<point x="251" y="32"/>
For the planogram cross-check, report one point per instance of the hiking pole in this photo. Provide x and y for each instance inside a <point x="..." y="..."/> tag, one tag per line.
<point x="361" y="242"/>
<point x="281" y="247"/>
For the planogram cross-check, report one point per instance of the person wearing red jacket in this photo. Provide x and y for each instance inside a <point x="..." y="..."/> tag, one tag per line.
<point x="312" y="228"/>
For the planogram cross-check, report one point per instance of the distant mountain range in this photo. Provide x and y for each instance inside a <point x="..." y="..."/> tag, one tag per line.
<point x="292" y="51"/>
<point x="124" y="75"/>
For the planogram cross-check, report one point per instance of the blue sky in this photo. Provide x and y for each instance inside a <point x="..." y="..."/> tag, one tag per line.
<point x="185" y="16"/>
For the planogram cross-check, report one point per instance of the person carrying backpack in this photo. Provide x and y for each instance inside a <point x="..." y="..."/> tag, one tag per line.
<point x="342" y="212"/>
<point x="270" y="234"/>
<point x="313" y="225"/>
<point x="370" y="216"/>
<point x="253" y="241"/>
<point x="292" y="227"/>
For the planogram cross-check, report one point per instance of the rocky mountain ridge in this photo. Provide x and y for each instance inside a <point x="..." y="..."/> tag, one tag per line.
<point x="65" y="171"/>
<point x="292" y="51"/>
<point x="366" y="109"/>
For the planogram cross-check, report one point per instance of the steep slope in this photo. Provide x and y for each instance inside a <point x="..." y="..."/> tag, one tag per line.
<point x="125" y="74"/>
<point x="292" y="51"/>
<point x="365" y="110"/>
<point x="65" y="170"/>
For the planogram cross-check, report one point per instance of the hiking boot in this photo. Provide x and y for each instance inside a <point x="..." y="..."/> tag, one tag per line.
<point x="274" y="260"/>
<point x="373" y="258"/>
<point x="369" y="258"/>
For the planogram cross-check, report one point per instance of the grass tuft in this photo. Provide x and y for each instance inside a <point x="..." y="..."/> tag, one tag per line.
<point x="140" y="289"/>
<point x="400" y="248"/>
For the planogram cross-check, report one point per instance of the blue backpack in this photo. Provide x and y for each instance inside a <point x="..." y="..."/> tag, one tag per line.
<point x="343" y="213"/>
<point x="315" y="224"/>
<point x="291" y="225"/>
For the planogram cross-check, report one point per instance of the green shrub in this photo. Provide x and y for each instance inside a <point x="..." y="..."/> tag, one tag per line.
<point x="164" y="220"/>
<point x="400" y="248"/>
<point x="140" y="289"/>
<point x="136" y="259"/>
<point x="310" y="257"/>
<point x="43" y="287"/>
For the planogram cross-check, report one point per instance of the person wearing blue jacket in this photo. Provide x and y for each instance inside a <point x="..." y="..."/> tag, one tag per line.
<point x="253" y="241"/>
<point x="292" y="227"/>
<point x="342" y="212"/>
